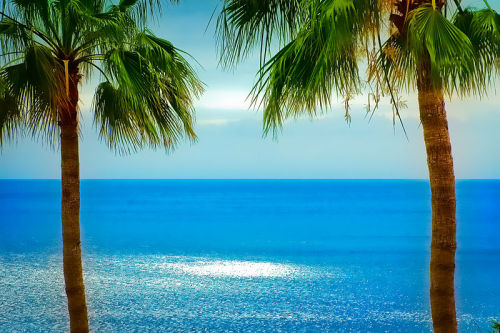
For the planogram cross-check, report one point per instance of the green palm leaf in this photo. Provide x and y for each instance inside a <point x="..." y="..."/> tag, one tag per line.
<point x="320" y="60"/>
<point x="483" y="29"/>
<point x="149" y="86"/>
<point x="450" y="50"/>
<point x="245" y="24"/>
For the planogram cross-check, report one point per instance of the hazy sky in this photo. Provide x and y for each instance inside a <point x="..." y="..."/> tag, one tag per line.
<point x="231" y="145"/>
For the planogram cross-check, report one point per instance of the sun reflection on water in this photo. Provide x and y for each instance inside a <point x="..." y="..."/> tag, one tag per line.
<point x="234" y="268"/>
<point x="228" y="268"/>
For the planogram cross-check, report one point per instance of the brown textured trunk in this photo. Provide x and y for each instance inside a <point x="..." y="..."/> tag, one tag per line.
<point x="442" y="180"/>
<point x="70" y="212"/>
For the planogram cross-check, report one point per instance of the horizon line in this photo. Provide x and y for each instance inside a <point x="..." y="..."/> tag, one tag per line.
<point x="305" y="179"/>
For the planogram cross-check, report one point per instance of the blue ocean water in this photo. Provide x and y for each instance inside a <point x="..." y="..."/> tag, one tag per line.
<point x="245" y="255"/>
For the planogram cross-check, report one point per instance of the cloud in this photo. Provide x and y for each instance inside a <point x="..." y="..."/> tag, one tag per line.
<point x="219" y="99"/>
<point x="237" y="102"/>
<point x="460" y="109"/>
<point x="216" y="122"/>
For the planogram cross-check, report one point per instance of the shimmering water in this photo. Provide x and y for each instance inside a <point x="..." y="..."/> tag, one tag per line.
<point x="253" y="256"/>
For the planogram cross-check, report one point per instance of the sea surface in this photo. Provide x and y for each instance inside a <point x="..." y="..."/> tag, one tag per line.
<point x="245" y="255"/>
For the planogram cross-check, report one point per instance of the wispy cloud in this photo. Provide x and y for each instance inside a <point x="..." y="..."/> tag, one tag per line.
<point x="219" y="99"/>
<point x="216" y="122"/>
<point x="237" y="101"/>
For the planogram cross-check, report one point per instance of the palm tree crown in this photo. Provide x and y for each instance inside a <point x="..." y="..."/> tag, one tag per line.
<point x="48" y="46"/>
<point x="322" y="44"/>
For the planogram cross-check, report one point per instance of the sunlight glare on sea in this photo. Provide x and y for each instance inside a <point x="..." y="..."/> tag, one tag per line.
<point x="234" y="268"/>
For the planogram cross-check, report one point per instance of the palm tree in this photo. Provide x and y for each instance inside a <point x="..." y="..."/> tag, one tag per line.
<point x="145" y="98"/>
<point x="434" y="46"/>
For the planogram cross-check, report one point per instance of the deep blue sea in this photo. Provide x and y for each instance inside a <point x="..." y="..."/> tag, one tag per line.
<point x="245" y="255"/>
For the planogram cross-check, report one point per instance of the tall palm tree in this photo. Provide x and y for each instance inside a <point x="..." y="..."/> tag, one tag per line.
<point x="433" y="46"/>
<point x="145" y="97"/>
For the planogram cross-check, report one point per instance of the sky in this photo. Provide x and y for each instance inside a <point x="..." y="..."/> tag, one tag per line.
<point x="231" y="143"/>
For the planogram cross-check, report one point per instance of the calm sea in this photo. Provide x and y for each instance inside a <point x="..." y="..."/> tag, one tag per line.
<point x="245" y="256"/>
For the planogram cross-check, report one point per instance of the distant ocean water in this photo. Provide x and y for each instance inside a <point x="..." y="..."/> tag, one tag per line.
<point x="245" y="255"/>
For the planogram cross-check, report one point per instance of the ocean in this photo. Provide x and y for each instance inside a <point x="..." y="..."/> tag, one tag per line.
<point x="245" y="255"/>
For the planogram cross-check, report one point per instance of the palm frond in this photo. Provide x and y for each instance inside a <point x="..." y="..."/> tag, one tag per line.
<point x="32" y="88"/>
<point x="320" y="61"/>
<point x="11" y="117"/>
<point x="431" y="35"/>
<point x="245" y="24"/>
<point x="13" y="38"/>
<point x="154" y="86"/>
<point x="141" y="10"/>
<point x="485" y="32"/>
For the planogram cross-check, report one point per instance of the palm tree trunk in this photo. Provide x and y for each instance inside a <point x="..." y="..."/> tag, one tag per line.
<point x="442" y="181"/>
<point x="70" y="207"/>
